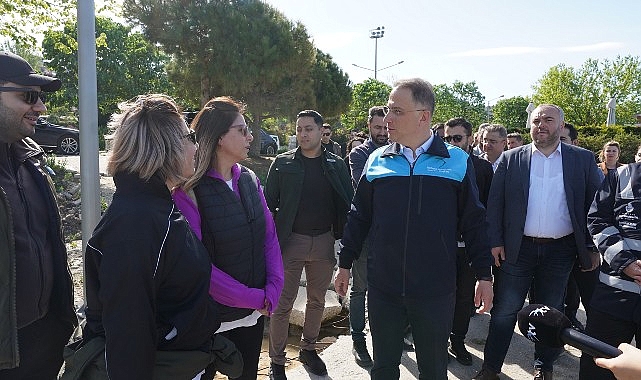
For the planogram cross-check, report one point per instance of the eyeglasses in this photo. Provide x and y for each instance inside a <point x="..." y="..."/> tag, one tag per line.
<point x="455" y="138"/>
<point x="243" y="129"/>
<point x="31" y="96"/>
<point x="397" y="111"/>
<point x="191" y="136"/>
<point x="327" y="134"/>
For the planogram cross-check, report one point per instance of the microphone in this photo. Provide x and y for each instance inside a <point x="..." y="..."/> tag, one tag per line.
<point x="546" y="325"/>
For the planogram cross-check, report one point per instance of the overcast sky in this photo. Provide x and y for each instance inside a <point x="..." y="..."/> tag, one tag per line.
<point x="505" y="46"/>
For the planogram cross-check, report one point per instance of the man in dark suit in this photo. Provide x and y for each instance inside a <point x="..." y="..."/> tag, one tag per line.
<point x="458" y="131"/>
<point x="539" y="199"/>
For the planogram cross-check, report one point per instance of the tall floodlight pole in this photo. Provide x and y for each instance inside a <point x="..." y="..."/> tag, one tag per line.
<point x="488" y="109"/>
<point x="88" y="120"/>
<point x="377" y="33"/>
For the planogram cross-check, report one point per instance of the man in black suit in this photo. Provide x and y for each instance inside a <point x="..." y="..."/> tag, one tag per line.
<point x="539" y="198"/>
<point x="458" y="131"/>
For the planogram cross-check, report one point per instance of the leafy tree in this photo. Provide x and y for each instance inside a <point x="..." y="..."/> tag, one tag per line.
<point x="127" y="65"/>
<point x="511" y="113"/>
<point x="367" y="94"/>
<point x="332" y="87"/>
<point x="459" y="100"/>
<point x="243" y="48"/>
<point x="584" y="92"/>
<point x="22" y="18"/>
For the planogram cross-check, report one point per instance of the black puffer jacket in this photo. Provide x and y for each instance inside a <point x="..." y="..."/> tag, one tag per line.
<point x="146" y="274"/>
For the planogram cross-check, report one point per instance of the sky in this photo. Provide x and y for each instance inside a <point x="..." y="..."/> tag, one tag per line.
<point x="505" y="46"/>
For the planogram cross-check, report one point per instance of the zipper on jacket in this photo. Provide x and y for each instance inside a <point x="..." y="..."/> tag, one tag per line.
<point x="407" y="228"/>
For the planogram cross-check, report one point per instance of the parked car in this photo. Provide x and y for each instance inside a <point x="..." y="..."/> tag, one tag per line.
<point x="267" y="144"/>
<point x="277" y="139"/>
<point x="56" y="138"/>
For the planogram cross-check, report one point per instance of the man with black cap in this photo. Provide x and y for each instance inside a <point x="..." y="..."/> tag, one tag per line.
<point x="36" y="294"/>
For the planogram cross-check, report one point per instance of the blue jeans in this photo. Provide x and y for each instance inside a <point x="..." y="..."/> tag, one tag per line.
<point x="549" y="265"/>
<point x="357" y="296"/>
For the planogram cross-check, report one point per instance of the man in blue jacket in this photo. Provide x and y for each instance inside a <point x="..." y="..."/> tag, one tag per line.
<point x="415" y="195"/>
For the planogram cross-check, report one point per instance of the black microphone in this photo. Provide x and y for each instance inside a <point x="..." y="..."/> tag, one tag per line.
<point x="547" y="325"/>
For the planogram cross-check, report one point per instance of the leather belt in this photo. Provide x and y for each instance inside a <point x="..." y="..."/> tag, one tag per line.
<point x="544" y="240"/>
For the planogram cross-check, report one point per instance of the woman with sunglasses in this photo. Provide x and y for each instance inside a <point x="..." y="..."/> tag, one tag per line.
<point x="227" y="209"/>
<point x="147" y="274"/>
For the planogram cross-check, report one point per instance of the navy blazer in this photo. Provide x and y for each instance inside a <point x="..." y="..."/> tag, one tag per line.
<point x="508" y="200"/>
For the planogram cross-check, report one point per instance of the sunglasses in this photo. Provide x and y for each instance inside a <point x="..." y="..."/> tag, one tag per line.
<point x="327" y="134"/>
<point x="31" y="96"/>
<point x="191" y="136"/>
<point x="455" y="138"/>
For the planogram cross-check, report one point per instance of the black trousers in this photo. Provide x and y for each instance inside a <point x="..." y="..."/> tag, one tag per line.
<point x="41" y="345"/>
<point x="248" y="341"/>
<point x="580" y="288"/>
<point x="431" y="322"/>
<point x="464" y="306"/>
<point x="612" y="331"/>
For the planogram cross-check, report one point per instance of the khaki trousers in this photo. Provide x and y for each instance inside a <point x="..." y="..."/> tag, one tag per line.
<point x="316" y="255"/>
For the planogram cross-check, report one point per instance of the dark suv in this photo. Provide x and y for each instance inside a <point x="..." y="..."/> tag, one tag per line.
<point x="56" y="138"/>
<point x="268" y="145"/>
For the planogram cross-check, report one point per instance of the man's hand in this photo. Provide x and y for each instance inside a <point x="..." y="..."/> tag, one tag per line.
<point x="634" y="271"/>
<point x="595" y="257"/>
<point x="626" y="366"/>
<point x="341" y="282"/>
<point x="483" y="296"/>
<point x="499" y="255"/>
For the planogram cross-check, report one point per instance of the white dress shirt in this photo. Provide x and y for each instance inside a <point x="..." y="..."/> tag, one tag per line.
<point x="409" y="153"/>
<point x="547" y="209"/>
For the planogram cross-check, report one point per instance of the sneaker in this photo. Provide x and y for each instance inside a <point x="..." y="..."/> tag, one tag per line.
<point x="486" y="374"/>
<point x="462" y="355"/>
<point x="359" y="349"/>
<point x="277" y="372"/>
<point x="313" y="362"/>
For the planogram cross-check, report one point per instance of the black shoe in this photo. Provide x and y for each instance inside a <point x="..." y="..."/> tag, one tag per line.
<point x="407" y="343"/>
<point x="576" y="323"/>
<point x="277" y="372"/>
<point x="540" y="374"/>
<point x="359" y="349"/>
<point x="311" y="360"/>
<point x="486" y="374"/>
<point x="461" y="353"/>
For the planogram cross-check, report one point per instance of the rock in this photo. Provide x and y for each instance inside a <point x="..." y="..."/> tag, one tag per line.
<point x="332" y="307"/>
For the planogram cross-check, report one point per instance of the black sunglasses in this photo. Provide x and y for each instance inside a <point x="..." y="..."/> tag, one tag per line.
<point x="31" y="96"/>
<point x="191" y="136"/>
<point x="327" y="134"/>
<point x="455" y="138"/>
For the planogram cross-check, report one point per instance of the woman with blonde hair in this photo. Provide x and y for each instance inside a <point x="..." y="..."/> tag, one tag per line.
<point x="225" y="206"/>
<point x="609" y="157"/>
<point x="147" y="274"/>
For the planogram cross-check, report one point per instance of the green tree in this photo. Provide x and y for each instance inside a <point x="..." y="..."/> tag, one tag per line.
<point x="459" y="100"/>
<point x="22" y="19"/>
<point x="127" y="65"/>
<point x="511" y="113"/>
<point x="584" y="92"/>
<point x="243" y="48"/>
<point x="332" y="87"/>
<point x="367" y="94"/>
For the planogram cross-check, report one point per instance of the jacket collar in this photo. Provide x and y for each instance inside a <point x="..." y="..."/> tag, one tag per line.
<point x="437" y="148"/>
<point x="131" y="183"/>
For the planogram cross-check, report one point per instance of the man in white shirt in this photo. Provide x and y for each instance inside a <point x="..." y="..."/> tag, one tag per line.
<point x="494" y="141"/>
<point x="539" y="198"/>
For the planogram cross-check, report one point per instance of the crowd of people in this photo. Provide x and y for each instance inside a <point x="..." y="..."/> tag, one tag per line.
<point x="193" y="254"/>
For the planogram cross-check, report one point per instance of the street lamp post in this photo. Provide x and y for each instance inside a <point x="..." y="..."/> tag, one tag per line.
<point x="377" y="33"/>
<point x="487" y="108"/>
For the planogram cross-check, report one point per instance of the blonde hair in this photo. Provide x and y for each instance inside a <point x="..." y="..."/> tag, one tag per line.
<point x="148" y="138"/>
<point x="210" y="124"/>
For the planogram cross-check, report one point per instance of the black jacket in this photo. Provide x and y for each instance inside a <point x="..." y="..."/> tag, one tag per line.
<point x="146" y="275"/>
<point x="415" y="213"/>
